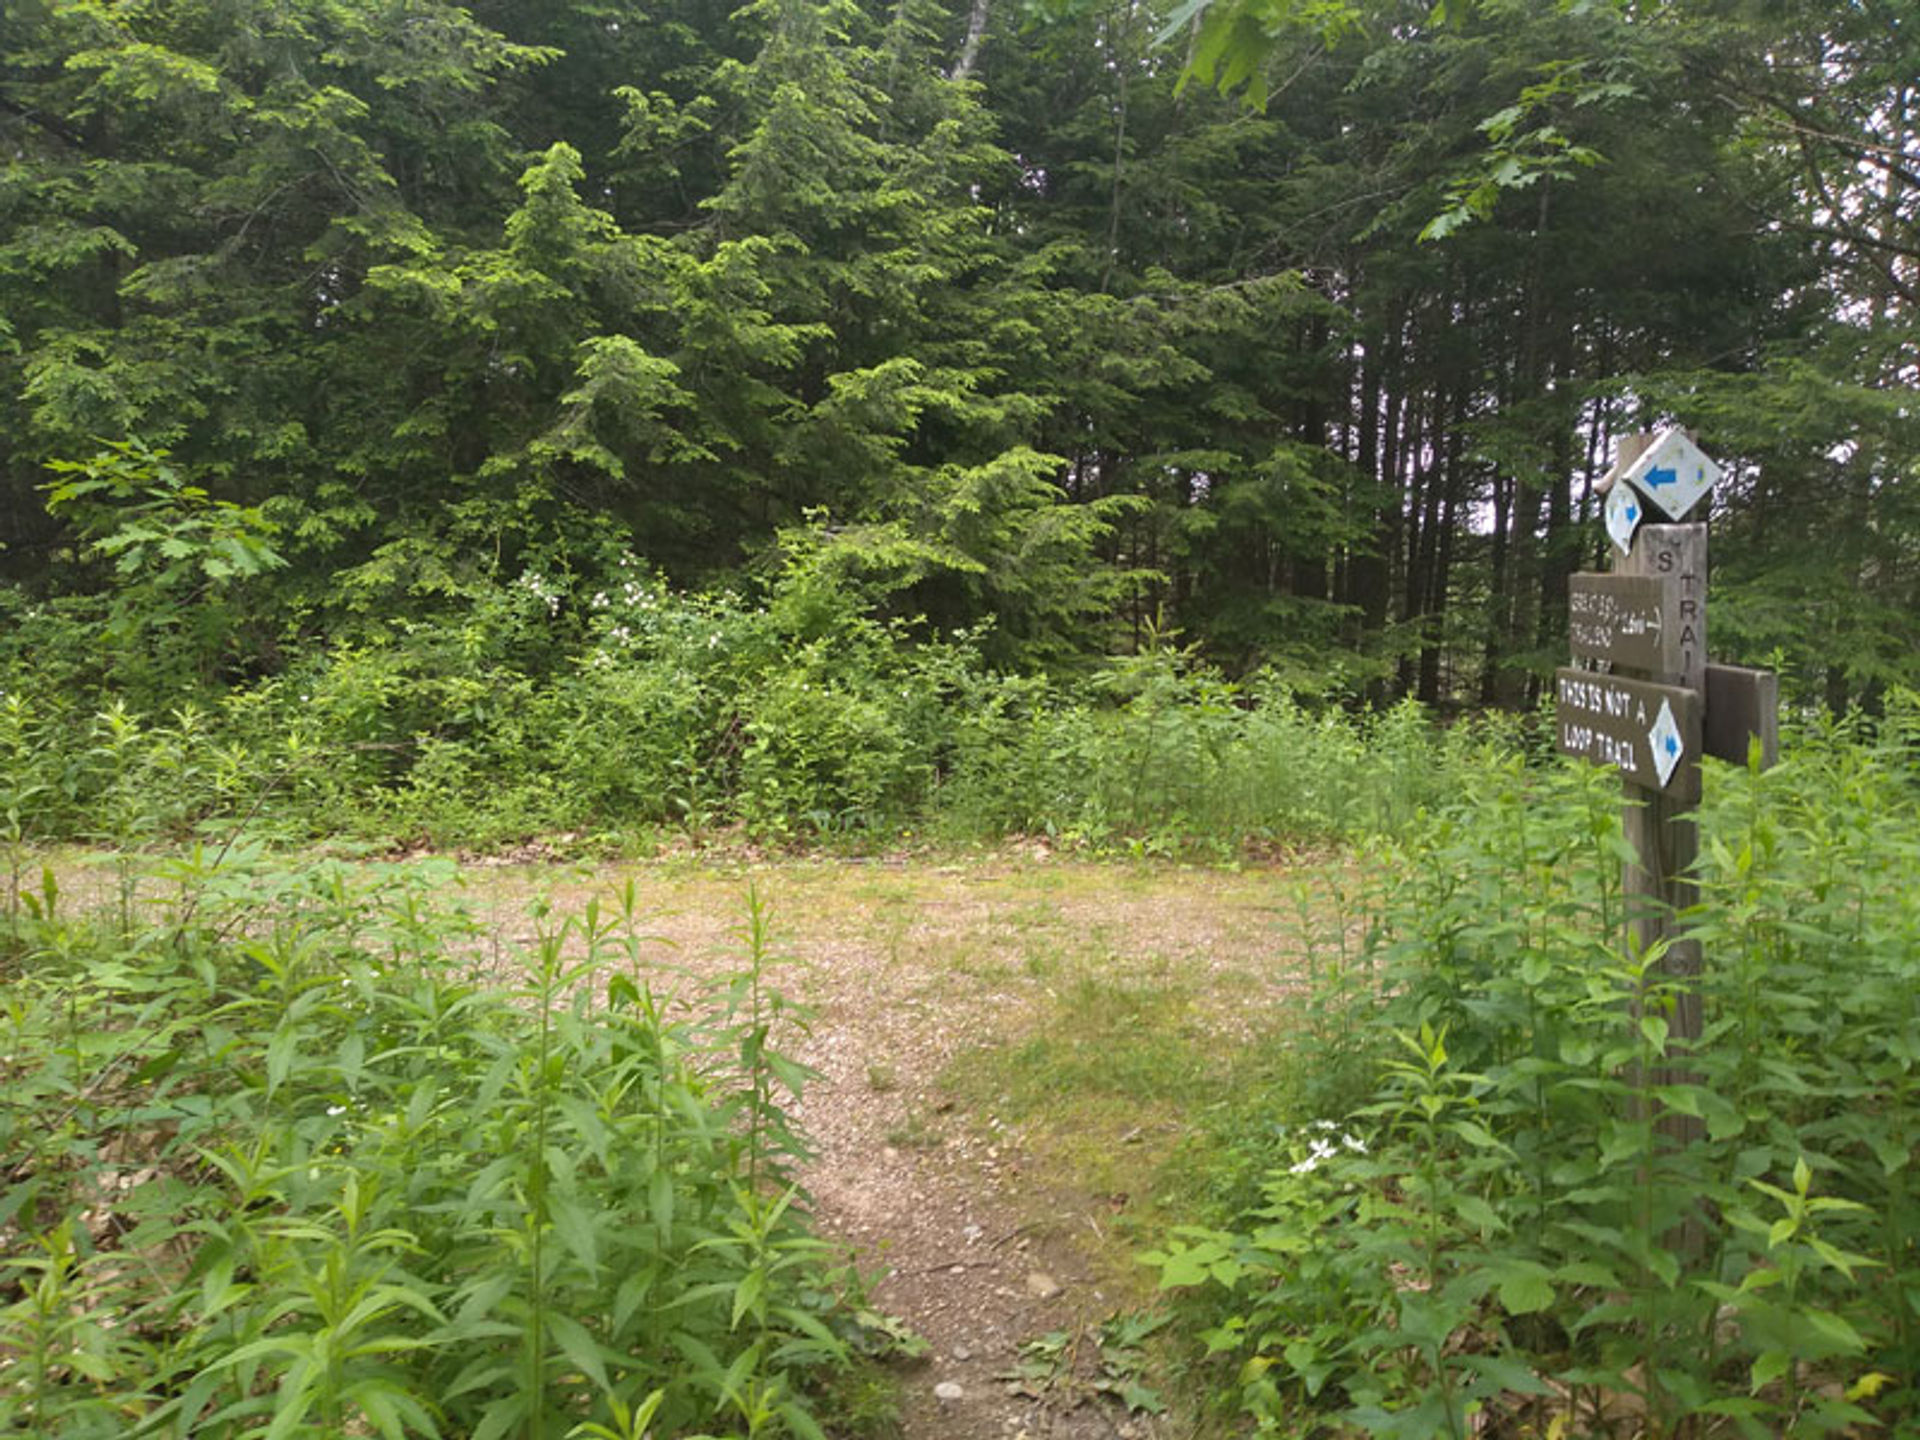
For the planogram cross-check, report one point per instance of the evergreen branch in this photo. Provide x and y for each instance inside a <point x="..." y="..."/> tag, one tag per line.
<point x="1885" y="158"/>
<point x="59" y="129"/>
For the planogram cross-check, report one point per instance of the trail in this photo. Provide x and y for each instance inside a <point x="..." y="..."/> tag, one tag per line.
<point x="905" y="966"/>
<point x="981" y="1237"/>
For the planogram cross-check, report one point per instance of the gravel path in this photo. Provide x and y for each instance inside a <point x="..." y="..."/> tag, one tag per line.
<point x="905" y="967"/>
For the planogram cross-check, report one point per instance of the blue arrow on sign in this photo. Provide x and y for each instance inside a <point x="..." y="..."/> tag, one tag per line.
<point x="1657" y="478"/>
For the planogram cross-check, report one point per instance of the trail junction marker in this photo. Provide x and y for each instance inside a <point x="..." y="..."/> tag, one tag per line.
<point x="1642" y="697"/>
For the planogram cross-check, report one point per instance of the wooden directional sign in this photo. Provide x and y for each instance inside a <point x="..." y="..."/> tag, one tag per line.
<point x="1624" y="620"/>
<point x="1649" y="732"/>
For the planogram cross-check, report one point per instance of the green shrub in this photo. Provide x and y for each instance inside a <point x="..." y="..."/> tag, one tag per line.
<point x="273" y="1167"/>
<point x="1501" y="1234"/>
<point x="612" y="703"/>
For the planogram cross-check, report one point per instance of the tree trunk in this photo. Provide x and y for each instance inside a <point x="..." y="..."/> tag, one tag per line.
<point x="976" y="37"/>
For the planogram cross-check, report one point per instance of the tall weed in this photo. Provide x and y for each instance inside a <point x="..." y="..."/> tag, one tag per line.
<point x="612" y="705"/>
<point x="275" y="1168"/>
<point x="1504" y="1233"/>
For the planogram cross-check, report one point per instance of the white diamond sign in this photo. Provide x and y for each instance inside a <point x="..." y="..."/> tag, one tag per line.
<point x="1665" y="739"/>
<point x="1673" y="473"/>
<point x="1625" y="511"/>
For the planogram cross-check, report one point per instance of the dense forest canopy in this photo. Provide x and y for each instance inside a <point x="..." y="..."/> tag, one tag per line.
<point x="1299" y="329"/>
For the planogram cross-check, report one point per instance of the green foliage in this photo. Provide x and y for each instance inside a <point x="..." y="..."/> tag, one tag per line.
<point x="1065" y="345"/>
<point x="1232" y="44"/>
<point x="1176" y="754"/>
<point x="610" y="703"/>
<point x="1068" y="344"/>
<point x="276" y="1167"/>
<point x="1504" y="1230"/>
<point x="131" y="507"/>
<point x="179" y="562"/>
<point x="1070" y="1368"/>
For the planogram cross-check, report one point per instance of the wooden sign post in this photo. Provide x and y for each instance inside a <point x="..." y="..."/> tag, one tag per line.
<point x="1642" y="697"/>
<point x="1623" y="620"/>
<point x="1660" y="824"/>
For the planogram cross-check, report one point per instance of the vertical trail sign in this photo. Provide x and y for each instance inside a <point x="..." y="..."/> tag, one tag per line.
<point x="1641" y="697"/>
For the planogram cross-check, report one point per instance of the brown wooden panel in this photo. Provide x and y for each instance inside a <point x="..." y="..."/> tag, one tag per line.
<point x="1627" y="620"/>
<point x="1742" y="703"/>
<point x="1612" y="720"/>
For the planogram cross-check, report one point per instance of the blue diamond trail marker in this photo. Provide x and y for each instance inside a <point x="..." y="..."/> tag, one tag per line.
<point x="1666" y="743"/>
<point x="1624" y="514"/>
<point x="1673" y="473"/>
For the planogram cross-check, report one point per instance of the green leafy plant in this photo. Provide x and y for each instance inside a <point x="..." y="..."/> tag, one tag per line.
<point x="1109" y="1361"/>
<point x="133" y="507"/>
<point x="1505" y="1227"/>
<point x="288" y="1173"/>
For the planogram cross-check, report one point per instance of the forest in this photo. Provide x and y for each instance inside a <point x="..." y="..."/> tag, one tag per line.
<point x="1298" y="334"/>
<point x="632" y="632"/>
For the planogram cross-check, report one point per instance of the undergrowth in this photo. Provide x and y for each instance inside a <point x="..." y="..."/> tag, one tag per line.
<point x="611" y="709"/>
<point x="1458" y="1212"/>
<point x="278" y="1164"/>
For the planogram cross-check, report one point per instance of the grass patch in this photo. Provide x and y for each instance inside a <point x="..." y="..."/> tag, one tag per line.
<point x="1128" y="1097"/>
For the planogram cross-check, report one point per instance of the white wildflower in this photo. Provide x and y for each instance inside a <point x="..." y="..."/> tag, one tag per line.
<point x="1318" y="1152"/>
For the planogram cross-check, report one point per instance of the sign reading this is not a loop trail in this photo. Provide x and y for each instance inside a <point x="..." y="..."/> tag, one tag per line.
<point x="1648" y="732"/>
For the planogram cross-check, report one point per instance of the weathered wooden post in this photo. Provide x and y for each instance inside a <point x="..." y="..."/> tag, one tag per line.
<point x="1660" y="824"/>
<point x="1641" y="696"/>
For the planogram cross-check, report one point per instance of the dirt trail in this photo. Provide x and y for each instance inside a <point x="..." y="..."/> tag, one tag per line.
<point x="904" y="968"/>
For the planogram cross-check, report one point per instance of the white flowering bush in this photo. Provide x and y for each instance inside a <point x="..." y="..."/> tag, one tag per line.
<point x="1287" y="1295"/>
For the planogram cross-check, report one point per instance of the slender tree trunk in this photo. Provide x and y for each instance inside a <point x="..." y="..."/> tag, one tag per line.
<point x="1420" y="505"/>
<point x="1499" y="601"/>
<point x="1122" y="68"/>
<point x="1560" y="552"/>
<point x="1389" y="514"/>
<point x="1425" y="592"/>
<point x="1364" y="582"/>
<point x="976" y="37"/>
<point x="1310" y="571"/>
<point x="1519" y="688"/>
<point x="1431" y="651"/>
